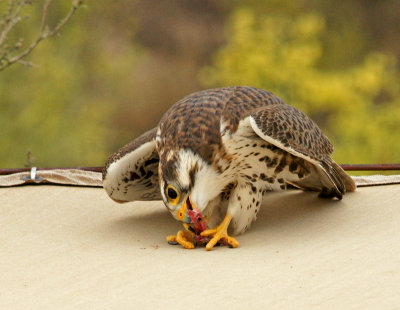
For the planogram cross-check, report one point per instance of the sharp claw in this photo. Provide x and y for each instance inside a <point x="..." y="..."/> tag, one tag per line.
<point x="171" y="240"/>
<point x="215" y="237"/>
<point x="232" y="242"/>
<point x="223" y="239"/>
<point x="183" y="238"/>
<point x="220" y="235"/>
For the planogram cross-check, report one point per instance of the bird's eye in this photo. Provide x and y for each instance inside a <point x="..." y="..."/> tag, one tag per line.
<point x="172" y="195"/>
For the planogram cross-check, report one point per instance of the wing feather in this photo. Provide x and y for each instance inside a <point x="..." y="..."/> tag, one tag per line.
<point x="131" y="173"/>
<point x="291" y="130"/>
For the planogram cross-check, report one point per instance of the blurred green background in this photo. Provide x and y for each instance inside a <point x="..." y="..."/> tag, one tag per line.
<point x="119" y="65"/>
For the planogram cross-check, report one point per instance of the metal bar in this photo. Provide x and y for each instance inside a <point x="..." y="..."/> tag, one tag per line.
<point x="348" y="167"/>
<point x="371" y="167"/>
<point x="18" y="170"/>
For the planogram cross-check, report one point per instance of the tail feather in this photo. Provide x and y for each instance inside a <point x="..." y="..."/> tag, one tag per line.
<point x="328" y="178"/>
<point x="348" y="181"/>
<point x="338" y="189"/>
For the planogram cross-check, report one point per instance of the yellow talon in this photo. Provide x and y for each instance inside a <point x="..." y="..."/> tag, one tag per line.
<point x="231" y="241"/>
<point x="172" y="239"/>
<point x="220" y="233"/>
<point x="183" y="238"/>
<point x="209" y="232"/>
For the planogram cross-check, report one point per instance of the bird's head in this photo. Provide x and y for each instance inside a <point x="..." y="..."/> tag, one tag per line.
<point x="188" y="183"/>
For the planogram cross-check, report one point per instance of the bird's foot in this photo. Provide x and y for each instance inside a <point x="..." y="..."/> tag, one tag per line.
<point x="184" y="238"/>
<point x="220" y="234"/>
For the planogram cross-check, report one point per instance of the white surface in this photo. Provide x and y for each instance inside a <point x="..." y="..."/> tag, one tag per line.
<point x="74" y="248"/>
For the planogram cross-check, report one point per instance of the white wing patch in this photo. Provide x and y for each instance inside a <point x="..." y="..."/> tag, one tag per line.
<point x="133" y="176"/>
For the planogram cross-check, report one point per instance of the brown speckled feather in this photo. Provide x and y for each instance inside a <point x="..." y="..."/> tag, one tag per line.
<point x="195" y="121"/>
<point x="295" y="130"/>
<point x="205" y="122"/>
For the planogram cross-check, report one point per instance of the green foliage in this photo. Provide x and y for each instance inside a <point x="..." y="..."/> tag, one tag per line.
<point x="61" y="110"/>
<point x="117" y="66"/>
<point x="358" y="107"/>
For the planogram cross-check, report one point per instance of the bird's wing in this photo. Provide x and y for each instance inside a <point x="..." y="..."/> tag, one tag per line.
<point x="291" y="130"/>
<point x="131" y="173"/>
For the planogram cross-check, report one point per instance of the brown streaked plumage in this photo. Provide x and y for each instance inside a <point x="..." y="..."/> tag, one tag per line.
<point x="218" y="152"/>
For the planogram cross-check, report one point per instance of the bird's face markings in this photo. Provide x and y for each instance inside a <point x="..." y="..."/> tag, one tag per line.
<point x="172" y="194"/>
<point x="178" y="202"/>
<point x="176" y="196"/>
<point x="188" y="183"/>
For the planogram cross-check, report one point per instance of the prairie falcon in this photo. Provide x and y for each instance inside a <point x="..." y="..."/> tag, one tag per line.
<point x="217" y="153"/>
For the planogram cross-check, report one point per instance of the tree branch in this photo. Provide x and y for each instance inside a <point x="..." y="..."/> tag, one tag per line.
<point x="13" y="16"/>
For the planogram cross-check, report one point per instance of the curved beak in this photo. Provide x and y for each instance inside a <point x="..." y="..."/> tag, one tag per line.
<point x="183" y="211"/>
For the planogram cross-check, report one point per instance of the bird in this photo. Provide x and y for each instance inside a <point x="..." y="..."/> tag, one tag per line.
<point x="219" y="153"/>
